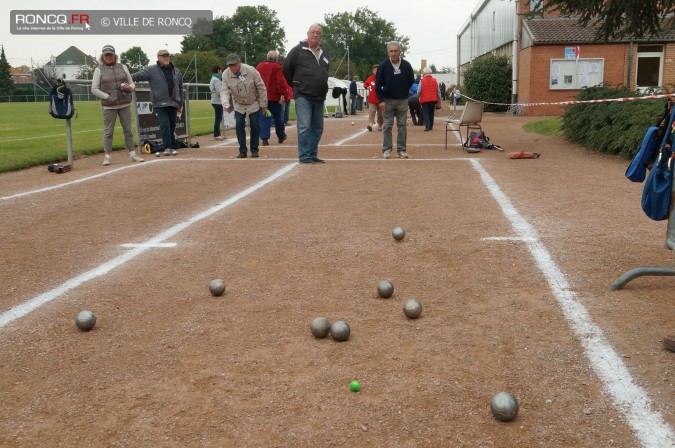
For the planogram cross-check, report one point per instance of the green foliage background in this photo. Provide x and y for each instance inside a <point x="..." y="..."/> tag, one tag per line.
<point x="612" y="128"/>
<point x="488" y="79"/>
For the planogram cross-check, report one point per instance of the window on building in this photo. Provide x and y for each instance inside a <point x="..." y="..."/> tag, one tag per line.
<point x="649" y="67"/>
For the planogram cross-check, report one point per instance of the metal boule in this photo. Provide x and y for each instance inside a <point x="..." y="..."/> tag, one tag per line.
<point x="85" y="320"/>
<point x="217" y="287"/>
<point x="320" y="327"/>
<point x="412" y="308"/>
<point x="385" y="289"/>
<point x="504" y="406"/>
<point x="340" y="330"/>
<point x="398" y="233"/>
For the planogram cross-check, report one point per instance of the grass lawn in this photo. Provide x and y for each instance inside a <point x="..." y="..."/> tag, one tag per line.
<point x="29" y="136"/>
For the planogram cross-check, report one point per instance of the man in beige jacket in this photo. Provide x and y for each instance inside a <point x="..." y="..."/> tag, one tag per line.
<point x="244" y="85"/>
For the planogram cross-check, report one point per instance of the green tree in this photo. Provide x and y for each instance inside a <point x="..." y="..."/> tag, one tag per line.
<point x="6" y="80"/>
<point x="488" y="79"/>
<point x="135" y="59"/>
<point x="365" y="34"/>
<point x="251" y="32"/>
<point x="625" y="18"/>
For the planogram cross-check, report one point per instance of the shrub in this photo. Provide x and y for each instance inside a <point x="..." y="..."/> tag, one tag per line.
<point x="613" y="127"/>
<point x="488" y="79"/>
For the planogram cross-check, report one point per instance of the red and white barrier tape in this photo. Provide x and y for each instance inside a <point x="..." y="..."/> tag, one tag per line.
<point x="564" y="103"/>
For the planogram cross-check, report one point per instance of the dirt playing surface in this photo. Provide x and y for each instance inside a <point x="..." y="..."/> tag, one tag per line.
<point x="168" y="365"/>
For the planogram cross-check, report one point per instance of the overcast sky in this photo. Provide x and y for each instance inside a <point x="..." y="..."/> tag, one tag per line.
<point x="432" y="25"/>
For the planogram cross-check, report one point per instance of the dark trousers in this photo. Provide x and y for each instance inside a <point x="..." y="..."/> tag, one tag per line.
<point x="219" y="119"/>
<point x="429" y="109"/>
<point x="167" y="125"/>
<point x="240" y="121"/>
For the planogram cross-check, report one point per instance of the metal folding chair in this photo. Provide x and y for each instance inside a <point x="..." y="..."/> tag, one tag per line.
<point x="470" y="119"/>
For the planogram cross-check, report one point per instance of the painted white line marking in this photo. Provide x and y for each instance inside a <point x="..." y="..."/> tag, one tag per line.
<point x="629" y="398"/>
<point x="339" y="143"/>
<point x="65" y="184"/>
<point x="148" y="246"/>
<point x="34" y="303"/>
<point x="508" y="238"/>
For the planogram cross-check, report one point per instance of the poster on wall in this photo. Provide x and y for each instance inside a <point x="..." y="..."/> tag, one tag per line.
<point x="570" y="74"/>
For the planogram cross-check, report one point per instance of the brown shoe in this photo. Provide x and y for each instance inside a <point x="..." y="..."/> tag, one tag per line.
<point x="282" y="139"/>
<point x="265" y="142"/>
<point x="669" y="343"/>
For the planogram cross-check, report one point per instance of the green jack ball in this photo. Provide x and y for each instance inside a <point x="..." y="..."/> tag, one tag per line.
<point x="355" y="386"/>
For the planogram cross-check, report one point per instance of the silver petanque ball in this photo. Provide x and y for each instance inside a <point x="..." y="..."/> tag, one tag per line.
<point x="340" y="330"/>
<point x="385" y="289"/>
<point x="85" y="320"/>
<point x="320" y="327"/>
<point x="504" y="406"/>
<point x="412" y="308"/>
<point x="398" y="233"/>
<point x="217" y="287"/>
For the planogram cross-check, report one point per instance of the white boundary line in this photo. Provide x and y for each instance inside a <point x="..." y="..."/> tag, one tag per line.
<point x="629" y="398"/>
<point x="65" y="184"/>
<point x="46" y="297"/>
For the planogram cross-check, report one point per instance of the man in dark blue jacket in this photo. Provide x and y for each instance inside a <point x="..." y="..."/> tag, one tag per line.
<point x="306" y="71"/>
<point x="393" y="80"/>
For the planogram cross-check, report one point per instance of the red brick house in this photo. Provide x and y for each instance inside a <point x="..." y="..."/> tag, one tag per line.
<point x="554" y="57"/>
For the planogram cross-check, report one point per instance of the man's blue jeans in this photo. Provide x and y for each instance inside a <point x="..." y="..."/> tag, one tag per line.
<point x="167" y="125"/>
<point x="309" y="115"/>
<point x="240" y="123"/>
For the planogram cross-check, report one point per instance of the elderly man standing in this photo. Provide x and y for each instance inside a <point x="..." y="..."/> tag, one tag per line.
<point x="166" y="89"/>
<point x="393" y="80"/>
<point x="273" y="77"/>
<point x="244" y="85"/>
<point x="306" y="70"/>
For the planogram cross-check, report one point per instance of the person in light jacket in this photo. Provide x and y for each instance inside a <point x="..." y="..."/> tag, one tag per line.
<point x="215" y="85"/>
<point x="112" y="83"/>
<point x="243" y="84"/>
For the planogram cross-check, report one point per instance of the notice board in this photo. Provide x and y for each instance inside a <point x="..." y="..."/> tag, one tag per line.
<point x="576" y="73"/>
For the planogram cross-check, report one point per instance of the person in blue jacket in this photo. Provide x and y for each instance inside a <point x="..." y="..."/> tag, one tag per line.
<point x="393" y="81"/>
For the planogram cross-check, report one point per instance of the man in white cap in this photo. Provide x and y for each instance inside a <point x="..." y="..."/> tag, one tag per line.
<point x="113" y="84"/>
<point x="166" y="91"/>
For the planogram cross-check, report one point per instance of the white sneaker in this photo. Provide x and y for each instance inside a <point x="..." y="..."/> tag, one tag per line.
<point x="403" y="155"/>
<point x="135" y="158"/>
<point x="220" y="137"/>
<point x="387" y="153"/>
<point x="174" y="152"/>
<point x="167" y="152"/>
<point x="107" y="160"/>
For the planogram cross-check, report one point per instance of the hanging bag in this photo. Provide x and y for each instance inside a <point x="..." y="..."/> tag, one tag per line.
<point x="657" y="193"/>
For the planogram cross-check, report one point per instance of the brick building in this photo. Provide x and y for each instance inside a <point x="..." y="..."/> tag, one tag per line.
<point x="554" y="57"/>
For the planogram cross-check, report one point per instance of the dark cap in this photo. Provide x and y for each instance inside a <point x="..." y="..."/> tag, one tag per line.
<point x="108" y="49"/>
<point x="231" y="59"/>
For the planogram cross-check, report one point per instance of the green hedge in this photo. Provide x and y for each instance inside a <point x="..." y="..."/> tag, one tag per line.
<point x="614" y="127"/>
